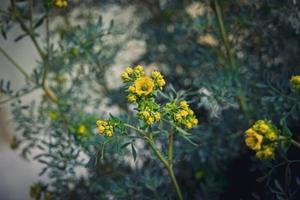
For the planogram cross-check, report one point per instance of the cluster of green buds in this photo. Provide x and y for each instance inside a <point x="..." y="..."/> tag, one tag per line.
<point x="262" y="138"/>
<point x="181" y="114"/>
<point x="295" y="82"/>
<point x="105" y="127"/>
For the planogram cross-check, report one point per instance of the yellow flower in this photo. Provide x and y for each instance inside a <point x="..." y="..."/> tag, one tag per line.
<point x="295" y="82"/>
<point x="139" y="69"/>
<point x="254" y="141"/>
<point x="82" y="130"/>
<point x="189" y="125"/>
<point x="105" y="127"/>
<point x="183" y="113"/>
<point x="158" y="79"/>
<point x="109" y="133"/>
<point x="266" y="153"/>
<point x="145" y="114"/>
<point x="101" y="129"/>
<point x="129" y="70"/>
<point x="144" y="86"/>
<point x="271" y="136"/>
<point x="131" y="98"/>
<point x="264" y="128"/>
<point x="157" y="116"/>
<point x="61" y="3"/>
<point x="131" y="89"/>
<point x="161" y="83"/>
<point x="150" y="120"/>
<point x="178" y="117"/>
<point x="190" y="112"/>
<point x="156" y="74"/>
<point x="194" y="121"/>
<point x="183" y="104"/>
<point x="125" y="76"/>
<point x="250" y="132"/>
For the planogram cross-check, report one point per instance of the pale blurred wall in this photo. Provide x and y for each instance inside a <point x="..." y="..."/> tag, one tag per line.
<point x="16" y="174"/>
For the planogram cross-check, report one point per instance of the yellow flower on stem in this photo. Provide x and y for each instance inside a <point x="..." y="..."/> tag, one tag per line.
<point x="138" y="69"/>
<point x="295" y="82"/>
<point x="183" y="104"/>
<point x="158" y="79"/>
<point x="129" y="70"/>
<point x="131" y="98"/>
<point x="254" y="141"/>
<point x="144" y="86"/>
<point x="125" y="77"/>
<point x="266" y="153"/>
<point x="82" y="130"/>
<point x="131" y="89"/>
<point x="105" y="127"/>
<point x="157" y="116"/>
<point x="271" y="136"/>
<point x="60" y="3"/>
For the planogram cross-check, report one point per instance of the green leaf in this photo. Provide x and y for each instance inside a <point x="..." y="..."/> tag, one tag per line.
<point x="39" y="22"/>
<point x="133" y="151"/>
<point x="125" y="145"/>
<point x="185" y="135"/>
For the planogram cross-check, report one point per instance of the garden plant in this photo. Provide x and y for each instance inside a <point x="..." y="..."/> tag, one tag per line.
<point x="210" y="109"/>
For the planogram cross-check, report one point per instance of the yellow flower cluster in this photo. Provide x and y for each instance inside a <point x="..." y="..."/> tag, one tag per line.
<point x="132" y="74"/>
<point x="295" y="82"/>
<point x="141" y="85"/>
<point x="149" y="116"/>
<point x="105" y="127"/>
<point x="184" y="115"/>
<point x="158" y="79"/>
<point x="60" y="3"/>
<point x="261" y="137"/>
<point x="148" y="111"/>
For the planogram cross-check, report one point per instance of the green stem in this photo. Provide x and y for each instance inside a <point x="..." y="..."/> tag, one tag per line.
<point x="48" y="92"/>
<point x="44" y="79"/>
<point x="170" y="148"/>
<point x="167" y="163"/>
<point x="28" y="31"/>
<point x="230" y="56"/>
<point x="174" y="181"/>
<point x="139" y="131"/>
<point x="167" y="166"/>
<point x="15" y="64"/>
<point x="224" y="36"/>
<point x="295" y="143"/>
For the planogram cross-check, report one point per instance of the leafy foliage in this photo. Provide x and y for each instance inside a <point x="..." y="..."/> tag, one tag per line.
<point x="233" y="75"/>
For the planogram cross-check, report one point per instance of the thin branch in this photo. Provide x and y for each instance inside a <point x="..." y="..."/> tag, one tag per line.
<point x="16" y="65"/>
<point x="170" y="147"/>
<point x="26" y="29"/>
<point x="295" y="143"/>
<point x="48" y="50"/>
<point x="17" y="96"/>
